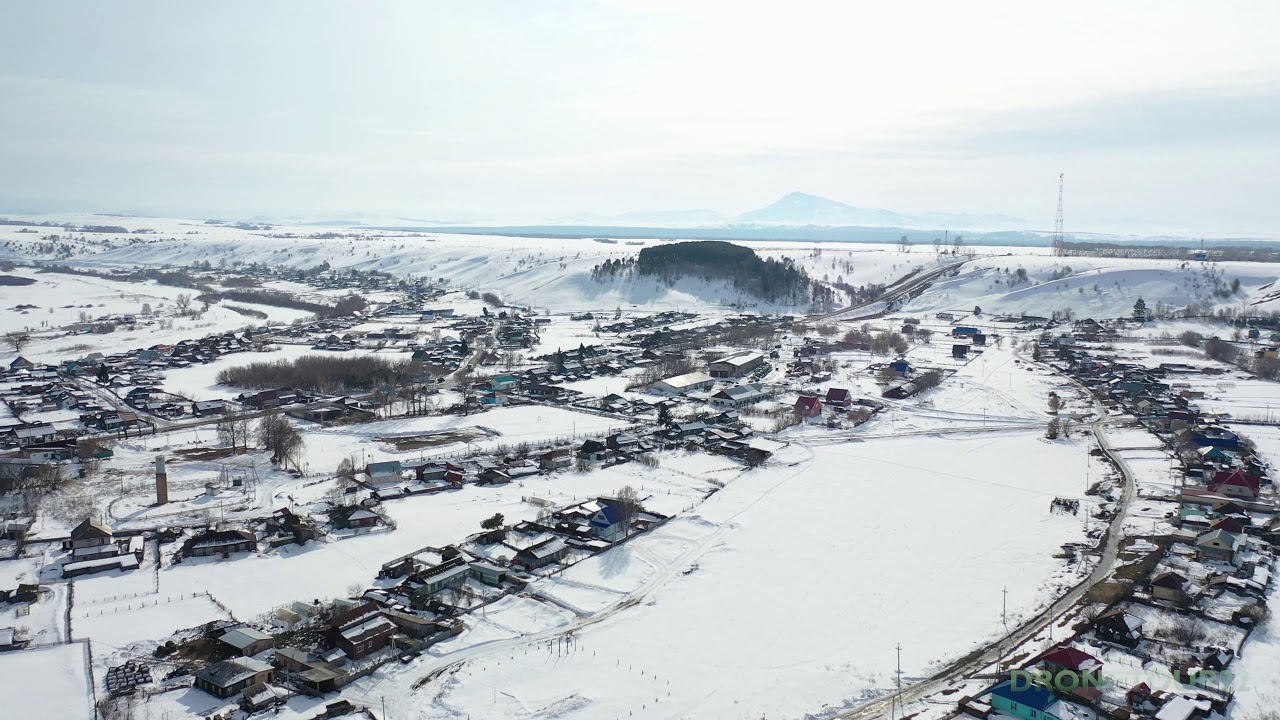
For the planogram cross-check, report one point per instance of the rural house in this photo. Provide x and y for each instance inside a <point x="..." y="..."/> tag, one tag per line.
<point x="1219" y="545"/>
<point x="224" y="679"/>
<point x="361" y="631"/>
<point x="1119" y="627"/>
<point x="1236" y="483"/>
<point x="220" y="542"/>
<point x="246" y="641"/>
<point x="1170" y="587"/>
<point x="544" y="553"/>
<point x="808" y="406"/>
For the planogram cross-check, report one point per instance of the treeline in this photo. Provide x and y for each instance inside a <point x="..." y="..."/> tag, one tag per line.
<point x="775" y="281"/>
<point x="346" y="305"/>
<point x="323" y="373"/>
<point x="1261" y="253"/>
<point x="172" y="278"/>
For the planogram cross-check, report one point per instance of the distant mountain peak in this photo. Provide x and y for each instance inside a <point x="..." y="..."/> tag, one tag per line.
<point x="800" y="208"/>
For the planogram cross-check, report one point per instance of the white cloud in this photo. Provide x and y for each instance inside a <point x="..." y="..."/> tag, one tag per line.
<point x="528" y="111"/>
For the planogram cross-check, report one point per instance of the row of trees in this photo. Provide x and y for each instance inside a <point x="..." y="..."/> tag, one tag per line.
<point x="324" y="373"/>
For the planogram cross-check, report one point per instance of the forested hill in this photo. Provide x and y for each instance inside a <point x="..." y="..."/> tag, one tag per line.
<point x="774" y="281"/>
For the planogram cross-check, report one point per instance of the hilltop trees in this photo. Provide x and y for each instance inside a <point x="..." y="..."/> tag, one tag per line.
<point x="775" y="281"/>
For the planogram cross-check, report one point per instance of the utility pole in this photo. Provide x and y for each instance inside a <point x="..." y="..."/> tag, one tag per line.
<point x="1004" y="609"/>
<point x="897" y="698"/>
<point x="1059" y="242"/>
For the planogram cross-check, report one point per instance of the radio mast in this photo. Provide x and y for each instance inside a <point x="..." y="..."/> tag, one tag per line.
<point x="1059" y="243"/>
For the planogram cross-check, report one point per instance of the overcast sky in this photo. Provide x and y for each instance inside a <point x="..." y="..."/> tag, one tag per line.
<point x="1162" y="113"/>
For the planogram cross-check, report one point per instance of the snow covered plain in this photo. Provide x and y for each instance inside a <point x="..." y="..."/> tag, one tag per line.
<point x="785" y="592"/>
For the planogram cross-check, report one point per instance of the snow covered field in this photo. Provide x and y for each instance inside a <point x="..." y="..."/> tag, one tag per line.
<point x="51" y="682"/>
<point x="786" y="591"/>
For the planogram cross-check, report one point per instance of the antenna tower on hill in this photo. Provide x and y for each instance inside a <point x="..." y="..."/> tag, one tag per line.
<point x="1059" y="243"/>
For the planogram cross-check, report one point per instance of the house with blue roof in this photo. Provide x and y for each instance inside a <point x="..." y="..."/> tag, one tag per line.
<point x="381" y="472"/>
<point x="901" y="368"/>
<point x="609" y="522"/>
<point x="1023" y="699"/>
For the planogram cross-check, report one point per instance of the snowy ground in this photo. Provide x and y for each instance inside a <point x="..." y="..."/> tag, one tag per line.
<point x="787" y="590"/>
<point x="51" y="682"/>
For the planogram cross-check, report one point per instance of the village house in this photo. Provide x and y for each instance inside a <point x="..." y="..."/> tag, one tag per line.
<point x="609" y="522"/>
<point x="1171" y="587"/>
<point x="389" y="471"/>
<point x="594" y="451"/>
<point x="88" y="534"/>
<point x="808" y="406"/>
<point x="220" y="542"/>
<point x="1026" y="701"/>
<point x="839" y="398"/>
<point x="353" y="517"/>
<point x="557" y="459"/>
<point x="361" y="631"/>
<point x="206" y="408"/>
<point x="224" y="679"/>
<point x="449" y="574"/>
<point x="900" y="368"/>
<point x="1236" y="483"/>
<point x="1082" y="667"/>
<point x="548" y="551"/>
<point x="1119" y="627"/>
<point x="1219" y="545"/>
<point x="246" y="641"/>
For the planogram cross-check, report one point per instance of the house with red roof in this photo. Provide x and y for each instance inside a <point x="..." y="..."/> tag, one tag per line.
<point x="839" y="398"/>
<point x="1171" y="587"/>
<point x="808" y="406"/>
<point x="1075" y="662"/>
<point x="1236" y="483"/>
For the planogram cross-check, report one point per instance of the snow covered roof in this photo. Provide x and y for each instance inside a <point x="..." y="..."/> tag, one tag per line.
<point x="687" y="380"/>
<point x="546" y="548"/>
<point x="1069" y="657"/>
<point x="242" y="637"/>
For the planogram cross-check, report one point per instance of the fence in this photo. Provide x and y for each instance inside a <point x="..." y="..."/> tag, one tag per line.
<point x="154" y="603"/>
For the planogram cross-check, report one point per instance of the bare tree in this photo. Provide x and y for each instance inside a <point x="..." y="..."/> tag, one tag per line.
<point x="1055" y="403"/>
<point x="1051" y="431"/>
<point x="17" y="339"/>
<point x="183" y="301"/>
<point x="279" y="437"/>
<point x="36" y="483"/>
<point x="628" y="506"/>
<point x="234" y="432"/>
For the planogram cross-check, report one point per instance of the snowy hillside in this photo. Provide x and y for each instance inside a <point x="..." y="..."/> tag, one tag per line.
<point x="1099" y="287"/>
<point x="554" y="274"/>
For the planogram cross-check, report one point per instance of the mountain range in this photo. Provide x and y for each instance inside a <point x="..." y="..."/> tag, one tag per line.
<point x="803" y="209"/>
